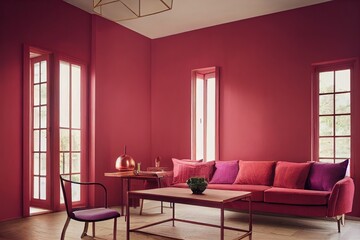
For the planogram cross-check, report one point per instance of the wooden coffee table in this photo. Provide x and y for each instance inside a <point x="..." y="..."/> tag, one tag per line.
<point x="211" y="198"/>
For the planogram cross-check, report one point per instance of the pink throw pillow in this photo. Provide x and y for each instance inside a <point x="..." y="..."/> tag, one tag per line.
<point x="183" y="170"/>
<point x="225" y="171"/>
<point x="291" y="174"/>
<point x="256" y="172"/>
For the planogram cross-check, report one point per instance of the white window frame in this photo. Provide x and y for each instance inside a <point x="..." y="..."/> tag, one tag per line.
<point x="205" y="74"/>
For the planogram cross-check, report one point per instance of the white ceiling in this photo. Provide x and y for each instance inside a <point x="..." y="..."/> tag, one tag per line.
<point x="187" y="15"/>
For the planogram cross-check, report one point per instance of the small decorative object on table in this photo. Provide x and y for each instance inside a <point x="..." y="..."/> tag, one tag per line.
<point x="157" y="162"/>
<point x="197" y="184"/>
<point x="125" y="162"/>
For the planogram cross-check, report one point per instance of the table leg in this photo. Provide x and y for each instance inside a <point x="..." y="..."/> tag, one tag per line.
<point x="128" y="182"/>
<point x="127" y="217"/>
<point x="173" y="215"/>
<point x="222" y="222"/>
<point x="159" y="186"/>
<point x="122" y="196"/>
<point x="250" y="219"/>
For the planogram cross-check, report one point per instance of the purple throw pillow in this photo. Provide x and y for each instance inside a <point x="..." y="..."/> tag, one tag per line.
<point x="323" y="176"/>
<point x="225" y="171"/>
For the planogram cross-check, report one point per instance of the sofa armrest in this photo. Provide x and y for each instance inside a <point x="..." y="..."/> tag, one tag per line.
<point x="341" y="197"/>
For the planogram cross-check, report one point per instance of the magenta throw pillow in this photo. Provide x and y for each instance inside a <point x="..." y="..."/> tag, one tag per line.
<point x="183" y="170"/>
<point x="256" y="172"/>
<point x="291" y="174"/>
<point x="323" y="176"/>
<point x="225" y="172"/>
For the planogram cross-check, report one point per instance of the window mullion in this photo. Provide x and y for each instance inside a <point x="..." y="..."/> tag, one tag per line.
<point x="205" y="118"/>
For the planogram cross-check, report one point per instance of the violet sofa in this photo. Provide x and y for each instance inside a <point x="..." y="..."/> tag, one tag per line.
<point x="308" y="189"/>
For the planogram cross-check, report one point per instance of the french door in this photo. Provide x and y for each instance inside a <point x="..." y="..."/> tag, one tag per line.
<point x="55" y="128"/>
<point x="40" y="149"/>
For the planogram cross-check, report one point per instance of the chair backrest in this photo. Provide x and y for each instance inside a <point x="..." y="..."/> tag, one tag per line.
<point x="66" y="189"/>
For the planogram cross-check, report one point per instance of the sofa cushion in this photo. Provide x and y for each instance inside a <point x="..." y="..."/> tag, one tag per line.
<point x="225" y="171"/>
<point x="296" y="196"/>
<point x="255" y="172"/>
<point x="323" y="176"/>
<point x="256" y="190"/>
<point x="291" y="174"/>
<point x="183" y="170"/>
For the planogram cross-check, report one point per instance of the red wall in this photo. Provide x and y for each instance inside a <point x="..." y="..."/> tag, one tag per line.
<point x="122" y="108"/>
<point x="265" y="81"/>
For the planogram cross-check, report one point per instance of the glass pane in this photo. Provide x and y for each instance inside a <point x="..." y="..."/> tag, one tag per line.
<point x="36" y="117"/>
<point x="326" y="147"/>
<point x="61" y="196"/>
<point x="326" y="82"/>
<point x="342" y="103"/>
<point x="199" y="125"/>
<point x="342" y="147"/>
<point x="210" y="119"/>
<point x="342" y="80"/>
<point x="43" y="140"/>
<point x="326" y="126"/>
<point x="43" y="164"/>
<point x="64" y="163"/>
<point x="64" y="94"/>
<point x="76" y="188"/>
<point x="36" y="188"/>
<point x="36" y="140"/>
<point x="327" y="160"/>
<point x="36" y="163"/>
<point x="43" y="71"/>
<point x="36" y="72"/>
<point x="43" y="117"/>
<point x="64" y="139"/>
<point x="342" y="125"/>
<point x="43" y="91"/>
<point x="75" y="163"/>
<point x="326" y="104"/>
<point x="75" y="96"/>
<point x="341" y="160"/>
<point x="75" y="140"/>
<point x="42" y="188"/>
<point x="36" y="95"/>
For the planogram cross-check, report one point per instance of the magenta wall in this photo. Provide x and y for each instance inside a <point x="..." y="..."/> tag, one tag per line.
<point x="265" y="81"/>
<point x="122" y="108"/>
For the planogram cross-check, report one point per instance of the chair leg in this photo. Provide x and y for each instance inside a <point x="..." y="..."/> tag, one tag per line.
<point x="141" y="205"/>
<point x="84" y="233"/>
<point x="93" y="229"/>
<point x="115" y="228"/>
<point x="338" y="219"/>
<point x="64" y="228"/>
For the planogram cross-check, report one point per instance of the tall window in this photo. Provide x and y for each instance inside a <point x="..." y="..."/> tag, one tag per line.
<point x="333" y="112"/>
<point x="205" y="95"/>
<point x="70" y="123"/>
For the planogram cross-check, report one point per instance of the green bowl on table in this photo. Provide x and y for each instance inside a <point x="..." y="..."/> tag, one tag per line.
<point x="197" y="184"/>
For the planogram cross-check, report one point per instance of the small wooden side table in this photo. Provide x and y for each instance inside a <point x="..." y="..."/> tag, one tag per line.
<point x="127" y="176"/>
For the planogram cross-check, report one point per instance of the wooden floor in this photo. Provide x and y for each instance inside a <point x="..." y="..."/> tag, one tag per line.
<point x="266" y="227"/>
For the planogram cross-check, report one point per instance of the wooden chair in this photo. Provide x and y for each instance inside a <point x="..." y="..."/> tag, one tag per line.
<point x="86" y="214"/>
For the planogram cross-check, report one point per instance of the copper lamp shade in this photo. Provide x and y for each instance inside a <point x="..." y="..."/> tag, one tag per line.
<point x="125" y="162"/>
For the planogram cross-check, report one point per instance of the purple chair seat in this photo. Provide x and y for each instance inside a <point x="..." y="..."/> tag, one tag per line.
<point x="95" y="214"/>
